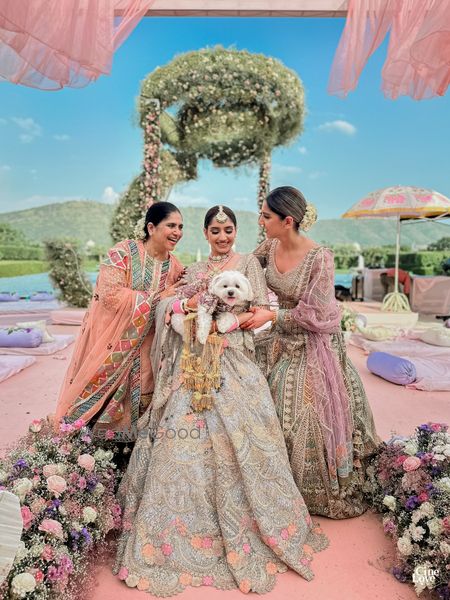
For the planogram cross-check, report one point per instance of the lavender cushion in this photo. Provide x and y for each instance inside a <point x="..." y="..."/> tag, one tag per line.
<point x="9" y="297"/>
<point x="20" y="338"/>
<point x="392" y="368"/>
<point x="42" y="297"/>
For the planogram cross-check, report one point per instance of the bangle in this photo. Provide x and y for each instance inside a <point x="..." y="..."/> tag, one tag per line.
<point x="273" y="320"/>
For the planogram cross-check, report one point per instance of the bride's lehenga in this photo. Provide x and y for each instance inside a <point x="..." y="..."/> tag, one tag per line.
<point x="209" y="497"/>
<point x="306" y="363"/>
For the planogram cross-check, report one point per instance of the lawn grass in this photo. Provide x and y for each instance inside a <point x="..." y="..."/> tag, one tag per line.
<point x="14" y="268"/>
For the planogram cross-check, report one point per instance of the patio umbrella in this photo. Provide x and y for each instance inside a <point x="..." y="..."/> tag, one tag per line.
<point x="401" y="203"/>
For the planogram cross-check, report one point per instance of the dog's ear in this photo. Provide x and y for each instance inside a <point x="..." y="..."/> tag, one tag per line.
<point x="248" y="289"/>
<point x="214" y="281"/>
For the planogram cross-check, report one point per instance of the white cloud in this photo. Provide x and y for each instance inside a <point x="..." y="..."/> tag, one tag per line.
<point x="61" y="137"/>
<point x="286" y="168"/>
<point x="340" y="126"/>
<point x="38" y="200"/>
<point x="182" y="199"/>
<point x="109" y="195"/>
<point x="30" y="128"/>
<point x="302" y="150"/>
<point x="316" y="174"/>
<point x="5" y="168"/>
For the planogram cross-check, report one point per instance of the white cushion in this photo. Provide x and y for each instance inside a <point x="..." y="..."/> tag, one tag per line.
<point x="436" y="336"/>
<point x="11" y="530"/>
<point x="42" y="325"/>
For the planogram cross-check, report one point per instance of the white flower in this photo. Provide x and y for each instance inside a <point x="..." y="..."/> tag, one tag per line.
<point x="411" y="448"/>
<point x="22" y="487"/>
<point x="444" y="548"/>
<point x="36" y="550"/>
<point x="404" y="545"/>
<point x="435" y="526"/>
<point x="21" y="553"/>
<point x="23" y="584"/>
<point x="427" y="509"/>
<point x="390" y="502"/>
<point x="89" y="514"/>
<point x="444" y="484"/>
<point x="99" y="490"/>
<point x="132" y="580"/>
<point x="77" y="525"/>
<point x="103" y="456"/>
<point x="416" y="532"/>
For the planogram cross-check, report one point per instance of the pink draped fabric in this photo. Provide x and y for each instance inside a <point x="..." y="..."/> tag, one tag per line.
<point x="51" y="44"/>
<point x="418" y="56"/>
<point x="319" y="314"/>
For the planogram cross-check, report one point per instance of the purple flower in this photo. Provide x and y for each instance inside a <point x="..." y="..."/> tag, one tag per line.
<point x="399" y="574"/>
<point x="412" y="502"/>
<point x="52" y="573"/>
<point x="21" y="464"/>
<point x="74" y="534"/>
<point x="87" y="536"/>
<point x="91" y="484"/>
<point x="56" y="503"/>
<point x="425" y="427"/>
<point x="66" y="564"/>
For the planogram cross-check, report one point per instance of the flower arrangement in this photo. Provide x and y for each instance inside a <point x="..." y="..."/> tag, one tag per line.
<point x="348" y="320"/>
<point x="66" y="273"/>
<point x="409" y="483"/>
<point x="66" y="487"/>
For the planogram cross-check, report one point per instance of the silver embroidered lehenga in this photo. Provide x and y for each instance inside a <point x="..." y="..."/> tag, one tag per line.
<point x="313" y="384"/>
<point x="209" y="497"/>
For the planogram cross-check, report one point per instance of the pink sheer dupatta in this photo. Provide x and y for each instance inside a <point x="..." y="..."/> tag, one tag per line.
<point x="319" y="314"/>
<point x="418" y="56"/>
<point x="51" y="44"/>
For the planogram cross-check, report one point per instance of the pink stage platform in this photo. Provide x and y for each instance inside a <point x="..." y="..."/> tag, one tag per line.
<point x="357" y="563"/>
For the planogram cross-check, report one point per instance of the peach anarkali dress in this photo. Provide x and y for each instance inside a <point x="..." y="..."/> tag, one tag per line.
<point x="110" y="375"/>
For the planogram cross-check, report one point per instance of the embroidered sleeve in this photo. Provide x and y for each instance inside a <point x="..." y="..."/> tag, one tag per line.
<point x="262" y="252"/>
<point x="110" y="283"/>
<point x="257" y="280"/>
<point x="317" y="310"/>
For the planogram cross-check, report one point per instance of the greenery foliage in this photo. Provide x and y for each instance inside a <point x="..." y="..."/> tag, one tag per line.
<point x="15" y="268"/>
<point x="9" y="235"/>
<point x="420" y="263"/>
<point x="442" y="244"/>
<point x="10" y="252"/>
<point x="66" y="273"/>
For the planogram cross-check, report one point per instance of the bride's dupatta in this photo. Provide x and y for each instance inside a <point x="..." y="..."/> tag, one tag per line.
<point x="110" y="370"/>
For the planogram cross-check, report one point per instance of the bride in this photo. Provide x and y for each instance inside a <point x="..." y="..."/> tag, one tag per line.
<point x="209" y="498"/>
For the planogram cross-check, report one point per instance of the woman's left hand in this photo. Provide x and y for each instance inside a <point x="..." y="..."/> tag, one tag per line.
<point x="260" y="316"/>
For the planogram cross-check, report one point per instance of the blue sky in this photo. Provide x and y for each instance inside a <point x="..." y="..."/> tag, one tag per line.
<point x="84" y="143"/>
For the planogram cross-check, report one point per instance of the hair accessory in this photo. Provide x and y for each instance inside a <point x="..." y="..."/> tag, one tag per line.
<point x="221" y="216"/>
<point x="309" y="218"/>
<point x="139" y="231"/>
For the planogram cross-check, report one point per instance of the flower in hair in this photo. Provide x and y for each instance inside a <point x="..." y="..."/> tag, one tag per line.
<point x="309" y="218"/>
<point x="139" y="231"/>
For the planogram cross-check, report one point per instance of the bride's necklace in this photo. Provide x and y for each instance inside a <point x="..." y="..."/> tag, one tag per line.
<point x="216" y="264"/>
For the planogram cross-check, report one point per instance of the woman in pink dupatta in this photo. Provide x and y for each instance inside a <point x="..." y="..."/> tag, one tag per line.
<point x="110" y="377"/>
<point x="319" y="396"/>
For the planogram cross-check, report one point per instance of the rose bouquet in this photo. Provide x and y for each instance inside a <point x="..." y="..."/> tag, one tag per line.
<point x="409" y="482"/>
<point x="66" y="486"/>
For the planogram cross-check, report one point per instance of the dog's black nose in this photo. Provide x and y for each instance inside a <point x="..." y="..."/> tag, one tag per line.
<point x="230" y="293"/>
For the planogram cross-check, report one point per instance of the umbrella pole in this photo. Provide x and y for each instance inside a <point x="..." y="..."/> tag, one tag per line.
<point x="397" y="255"/>
<point x="396" y="302"/>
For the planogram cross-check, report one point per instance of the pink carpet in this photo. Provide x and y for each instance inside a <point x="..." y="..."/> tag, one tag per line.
<point x="357" y="563"/>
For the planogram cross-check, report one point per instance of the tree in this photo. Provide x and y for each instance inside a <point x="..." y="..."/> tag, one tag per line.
<point x="442" y="245"/>
<point x="11" y="237"/>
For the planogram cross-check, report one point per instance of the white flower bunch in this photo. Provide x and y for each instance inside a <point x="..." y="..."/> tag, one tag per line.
<point x="309" y="218"/>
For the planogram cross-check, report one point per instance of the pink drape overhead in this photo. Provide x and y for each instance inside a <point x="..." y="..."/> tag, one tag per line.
<point x="51" y="44"/>
<point x="418" y="55"/>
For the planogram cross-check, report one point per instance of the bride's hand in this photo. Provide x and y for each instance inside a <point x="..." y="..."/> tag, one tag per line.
<point x="171" y="290"/>
<point x="259" y="317"/>
<point x="193" y="301"/>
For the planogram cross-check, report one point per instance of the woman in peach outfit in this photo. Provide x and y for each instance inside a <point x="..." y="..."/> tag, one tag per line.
<point x="110" y="377"/>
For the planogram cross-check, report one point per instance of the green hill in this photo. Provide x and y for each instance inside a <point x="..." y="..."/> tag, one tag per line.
<point x="87" y="220"/>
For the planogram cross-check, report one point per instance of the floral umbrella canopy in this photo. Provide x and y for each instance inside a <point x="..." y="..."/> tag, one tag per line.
<point x="402" y="203"/>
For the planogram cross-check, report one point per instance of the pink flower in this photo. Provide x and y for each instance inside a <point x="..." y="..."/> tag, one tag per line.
<point x="207" y="542"/>
<point x="52" y="527"/>
<point x="38" y="505"/>
<point x="446" y="522"/>
<point x="116" y="510"/>
<point x="86" y="461"/>
<point x="109" y="434"/>
<point x="50" y="469"/>
<point x="47" y="553"/>
<point x="166" y="549"/>
<point x="246" y="548"/>
<point x="66" y="428"/>
<point x="272" y="541"/>
<point x="36" y="425"/>
<point x="436" y="427"/>
<point x="65" y="449"/>
<point x="411" y="463"/>
<point x="123" y="573"/>
<point x="200" y="423"/>
<point x="284" y="534"/>
<point x="86" y="439"/>
<point x="78" y="424"/>
<point x="39" y="576"/>
<point x="400" y="460"/>
<point x="73" y="478"/>
<point x="208" y="580"/>
<point x="423" y="496"/>
<point x="27" y="517"/>
<point x="82" y="483"/>
<point x="57" y="485"/>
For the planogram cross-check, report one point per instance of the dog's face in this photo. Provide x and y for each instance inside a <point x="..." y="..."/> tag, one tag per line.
<point x="231" y="287"/>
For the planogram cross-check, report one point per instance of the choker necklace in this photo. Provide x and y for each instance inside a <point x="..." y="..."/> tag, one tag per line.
<point x="218" y="259"/>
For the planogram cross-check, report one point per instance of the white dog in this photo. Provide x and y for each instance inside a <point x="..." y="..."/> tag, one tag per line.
<point x="226" y="291"/>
